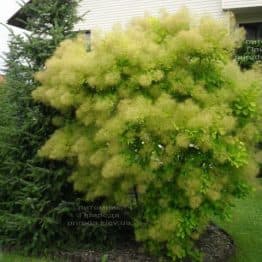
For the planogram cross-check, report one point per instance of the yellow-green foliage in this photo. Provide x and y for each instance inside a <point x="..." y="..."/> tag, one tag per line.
<point x="161" y="109"/>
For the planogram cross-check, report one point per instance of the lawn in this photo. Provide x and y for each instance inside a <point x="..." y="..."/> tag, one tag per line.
<point x="246" y="228"/>
<point x="16" y="258"/>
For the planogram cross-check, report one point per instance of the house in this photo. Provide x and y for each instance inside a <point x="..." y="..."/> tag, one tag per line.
<point x="104" y="14"/>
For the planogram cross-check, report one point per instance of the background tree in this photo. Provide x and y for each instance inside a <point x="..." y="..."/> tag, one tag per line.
<point x="35" y="198"/>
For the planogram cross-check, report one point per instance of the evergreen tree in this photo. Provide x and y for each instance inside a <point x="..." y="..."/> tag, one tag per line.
<point x="35" y="198"/>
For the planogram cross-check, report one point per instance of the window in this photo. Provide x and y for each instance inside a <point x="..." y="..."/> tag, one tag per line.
<point x="254" y="31"/>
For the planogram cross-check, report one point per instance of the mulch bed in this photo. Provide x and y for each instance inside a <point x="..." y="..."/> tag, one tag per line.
<point x="215" y="243"/>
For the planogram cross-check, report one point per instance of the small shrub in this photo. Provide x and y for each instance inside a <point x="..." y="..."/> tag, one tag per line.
<point x="158" y="112"/>
<point x="249" y="53"/>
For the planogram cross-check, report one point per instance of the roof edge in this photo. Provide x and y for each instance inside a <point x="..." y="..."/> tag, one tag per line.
<point x="18" y="19"/>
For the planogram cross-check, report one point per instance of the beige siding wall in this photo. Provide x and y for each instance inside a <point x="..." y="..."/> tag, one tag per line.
<point x="104" y="14"/>
<point x="235" y="4"/>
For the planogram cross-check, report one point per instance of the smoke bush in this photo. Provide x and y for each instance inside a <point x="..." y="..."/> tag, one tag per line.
<point x="160" y="111"/>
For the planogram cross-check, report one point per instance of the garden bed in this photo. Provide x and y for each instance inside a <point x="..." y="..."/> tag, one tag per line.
<point x="215" y="243"/>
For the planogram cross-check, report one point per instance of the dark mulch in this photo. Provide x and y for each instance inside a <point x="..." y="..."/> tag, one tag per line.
<point x="130" y="252"/>
<point x="215" y="243"/>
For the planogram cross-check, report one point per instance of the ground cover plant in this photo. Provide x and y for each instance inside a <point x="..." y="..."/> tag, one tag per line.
<point x="157" y="114"/>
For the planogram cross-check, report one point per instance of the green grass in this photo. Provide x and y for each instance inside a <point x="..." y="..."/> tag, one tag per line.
<point x="16" y="258"/>
<point x="246" y="228"/>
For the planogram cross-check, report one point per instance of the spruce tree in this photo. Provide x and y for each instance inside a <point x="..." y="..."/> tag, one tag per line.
<point x="35" y="197"/>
